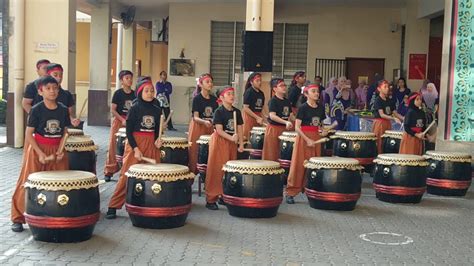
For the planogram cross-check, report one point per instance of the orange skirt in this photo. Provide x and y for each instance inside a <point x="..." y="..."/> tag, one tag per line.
<point x="195" y="131"/>
<point x="249" y="123"/>
<point x="33" y="165"/>
<point x="111" y="166"/>
<point x="271" y="143"/>
<point x="146" y="144"/>
<point x="220" y="151"/>
<point x="379" y="128"/>
<point x="411" y="145"/>
<point x="301" y="152"/>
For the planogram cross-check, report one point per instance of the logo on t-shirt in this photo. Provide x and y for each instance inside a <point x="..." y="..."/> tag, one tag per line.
<point x="259" y="103"/>
<point x="419" y="123"/>
<point x="208" y="111"/>
<point x="52" y="127"/>
<point x="230" y="124"/>
<point x="315" y="121"/>
<point x="286" y="111"/>
<point x="148" y="121"/>
<point x="127" y="105"/>
<point x="388" y="110"/>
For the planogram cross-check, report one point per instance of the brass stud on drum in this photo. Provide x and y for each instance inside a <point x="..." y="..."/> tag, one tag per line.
<point x="343" y="145"/>
<point x="356" y="146"/>
<point x="314" y="174"/>
<point x="138" y="188"/>
<point x="233" y="180"/>
<point x="63" y="199"/>
<point x="41" y="199"/>
<point x="392" y="142"/>
<point x="284" y="145"/>
<point x="258" y="138"/>
<point x="162" y="154"/>
<point x="156" y="188"/>
<point x="386" y="171"/>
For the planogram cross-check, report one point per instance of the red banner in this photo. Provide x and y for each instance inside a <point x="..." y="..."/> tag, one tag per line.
<point x="417" y="66"/>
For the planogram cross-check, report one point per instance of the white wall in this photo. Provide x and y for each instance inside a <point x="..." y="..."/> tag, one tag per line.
<point x="430" y="8"/>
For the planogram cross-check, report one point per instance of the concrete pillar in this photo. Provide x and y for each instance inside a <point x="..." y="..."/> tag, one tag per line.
<point x="118" y="65"/>
<point x="100" y="60"/>
<point x="128" y="49"/>
<point x="456" y="110"/>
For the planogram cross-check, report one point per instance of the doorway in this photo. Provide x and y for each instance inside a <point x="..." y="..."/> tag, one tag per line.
<point x="364" y="68"/>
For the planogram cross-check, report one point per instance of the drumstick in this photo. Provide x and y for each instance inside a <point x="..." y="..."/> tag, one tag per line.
<point x="148" y="160"/>
<point x="82" y="109"/>
<point x="321" y="140"/>
<point x="428" y="128"/>
<point x="169" y="117"/>
<point x="162" y="117"/>
<point x="235" y="122"/>
<point x="60" y="148"/>
<point x="249" y="150"/>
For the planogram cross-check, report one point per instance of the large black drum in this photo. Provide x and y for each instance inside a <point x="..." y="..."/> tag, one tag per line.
<point x="361" y="146"/>
<point x="158" y="195"/>
<point x="174" y="150"/>
<point x="203" y="155"/>
<point x="391" y="141"/>
<point x="257" y="135"/>
<point x="75" y="132"/>
<point x="327" y="147"/>
<point x="287" y="140"/>
<point x="81" y="153"/>
<point x="333" y="183"/>
<point x="253" y="188"/>
<point x="449" y="173"/>
<point x="120" y="138"/>
<point x="62" y="206"/>
<point x="400" y="178"/>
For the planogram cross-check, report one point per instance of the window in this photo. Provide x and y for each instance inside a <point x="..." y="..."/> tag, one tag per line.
<point x="290" y="46"/>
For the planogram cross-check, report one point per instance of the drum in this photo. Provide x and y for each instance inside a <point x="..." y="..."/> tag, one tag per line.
<point x="257" y="135"/>
<point x="449" y="173"/>
<point x="391" y="141"/>
<point x="62" y="206"/>
<point x="287" y="140"/>
<point x="75" y="132"/>
<point x="203" y="154"/>
<point x="361" y="146"/>
<point x="174" y="150"/>
<point x="252" y="188"/>
<point x="400" y="178"/>
<point x="81" y="153"/>
<point x="121" y="137"/>
<point x="333" y="183"/>
<point x="327" y="147"/>
<point x="158" y="195"/>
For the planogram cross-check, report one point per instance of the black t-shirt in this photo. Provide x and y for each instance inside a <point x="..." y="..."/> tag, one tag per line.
<point x="143" y="117"/>
<point x="386" y="105"/>
<point x="282" y="108"/>
<point x="254" y="99"/>
<point x="310" y="116"/>
<point x="205" y="107"/>
<point x="31" y="92"/>
<point x="123" y="101"/>
<point x="49" y="123"/>
<point x="294" y="93"/>
<point x="224" y="117"/>
<point x="65" y="97"/>
<point x="414" y="118"/>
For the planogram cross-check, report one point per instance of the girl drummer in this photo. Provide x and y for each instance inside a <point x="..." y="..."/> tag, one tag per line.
<point x="222" y="145"/>
<point x="204" y="105"/>
<point x="121" y="103"/>
<point x="308" y="121"/>
<point x="143" y="126"/>
<point x="253" y="103"/>
<point x="279" y="120"/>
<point x="414" y="124"/>
<point x="384" y="113"/>
<point x="294" y="92"/>
<point x="47" y="123"/>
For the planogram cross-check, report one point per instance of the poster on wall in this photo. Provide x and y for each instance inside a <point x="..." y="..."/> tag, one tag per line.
<point x="417" y="66"/>
<point x="182" y="67"/>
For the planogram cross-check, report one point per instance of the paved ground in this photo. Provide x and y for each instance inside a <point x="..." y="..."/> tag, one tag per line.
<point x="436" y="231"/>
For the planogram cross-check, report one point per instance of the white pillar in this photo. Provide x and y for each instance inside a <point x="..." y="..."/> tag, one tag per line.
<point x="128" y="51"/>
<point x="118" y="66"/>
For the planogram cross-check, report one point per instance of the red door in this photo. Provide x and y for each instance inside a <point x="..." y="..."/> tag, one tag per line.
<point x="364" y="67"/>
<point x="434" y="60"/>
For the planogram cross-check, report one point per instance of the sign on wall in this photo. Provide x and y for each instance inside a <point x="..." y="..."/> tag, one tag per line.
<point x="47" y="47"/>
<point x="417" y="66"/>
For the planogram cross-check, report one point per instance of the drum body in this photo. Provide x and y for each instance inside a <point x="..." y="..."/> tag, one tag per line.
<point x="120" y="137"/>
<point x="159" y="195"/>
<point x="253" y="188"/>
<point x="203" y="155"/>
<point x="361" y="146"/>
<point x="81" y="153"/>
<point x="391" y="141"/>
<point x="174" y="150"/>
<point x="333" y="183"/>
<point x="62" y="206"/>
<point x="257" y="136"/>
<point x="287" y="141"/>
<point x="449" y="173"/>
<point x="75" y="132"/>
<point x="400" y="178"/>
<point x="327" y="147"/>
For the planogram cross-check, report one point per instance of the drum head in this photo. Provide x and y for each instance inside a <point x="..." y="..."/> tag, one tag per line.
<point x="174" y="142"/>
<point x="80" y="143"/>
<point x="163" y="172"/>
<point x="393" y="134"/>
<point x="258" y="130"/>
<point x="449" y="156"/>
<point x="333" y="163"/>
<point x="75" y="132"/>
<point x="62" y="180"/>
<point x="259" y="167"/>
<point x="354" y="135"/>
<point x="401" y="159"/>
<point x="204" y="139"/>
<point x="288" y="136"/>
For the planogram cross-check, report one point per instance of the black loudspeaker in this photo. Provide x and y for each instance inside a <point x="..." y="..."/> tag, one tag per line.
<point x="258" y="51"/>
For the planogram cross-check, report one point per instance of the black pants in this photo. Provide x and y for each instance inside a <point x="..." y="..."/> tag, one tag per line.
<point x="167" y="113"/>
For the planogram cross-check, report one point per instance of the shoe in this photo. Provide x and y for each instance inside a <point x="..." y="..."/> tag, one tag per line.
<point x="212" y="206"/>
<point x="17" y="227"/>
<point x="111" y="214"/>
<point x="221" y="201"/>
<point x="107" y="178"/>
<point x="290" y="200"/>
<point x="172" y="129"/>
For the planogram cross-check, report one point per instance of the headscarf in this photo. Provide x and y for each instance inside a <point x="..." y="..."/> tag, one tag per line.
<point x="252" y="76"/>
<point x="411" y="100"/>
<point x="330" y="90"/>
<point x="139" y="88"/>
<point x="430" y="97"/>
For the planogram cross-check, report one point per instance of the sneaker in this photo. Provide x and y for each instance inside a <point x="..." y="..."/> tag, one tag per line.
<point x="212" y="206"/>
<point x="17" y="227"/>
<point x="172" y="129"/>
<point x="107" y="178"/>
<point x="290" y="200"/>
<point x="221" y="201"/>
<point x="111" y="213"/>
